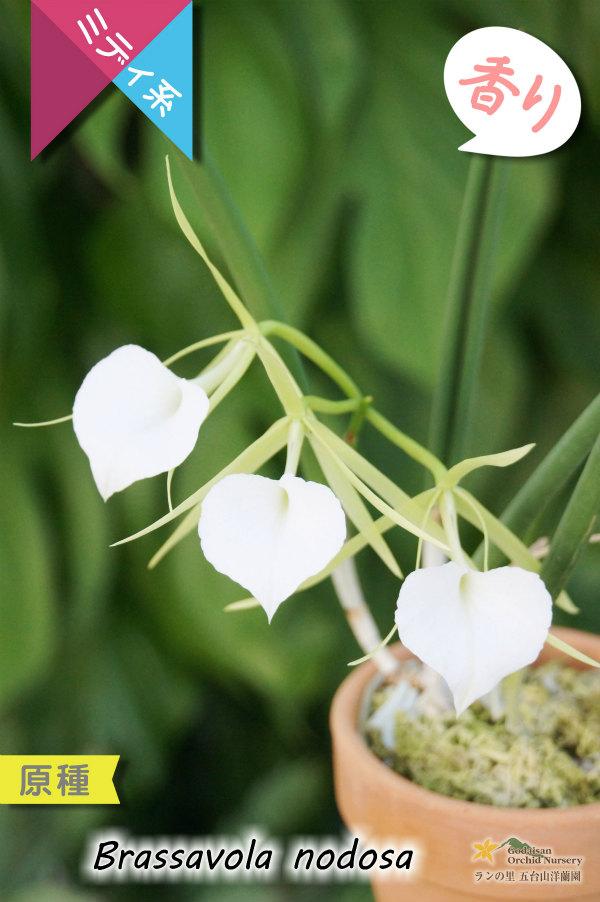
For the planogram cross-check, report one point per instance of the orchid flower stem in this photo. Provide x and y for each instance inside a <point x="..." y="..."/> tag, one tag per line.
<point x="575" y="526"/>
<point x="324" y="405"/>
<point x="550" y="476"/>
<point x="313" y="352"/>
<point x="357" y="420"/>
<point x="408" y="445"/>
<point x="464" y="315"/>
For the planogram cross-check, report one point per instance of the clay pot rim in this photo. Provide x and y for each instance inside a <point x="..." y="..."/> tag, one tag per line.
<point x="344" y="718"/>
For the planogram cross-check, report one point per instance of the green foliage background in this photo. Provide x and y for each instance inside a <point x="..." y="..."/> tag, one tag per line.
<point x="329" y="123"/>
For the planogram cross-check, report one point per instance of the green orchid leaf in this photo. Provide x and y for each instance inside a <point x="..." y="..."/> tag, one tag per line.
<point x="411" y="191"/>
<point x="553" y="473"/>
<point x="576" y="525"/>
<point x="260" y="451"/>
<point x="28" y="599"/>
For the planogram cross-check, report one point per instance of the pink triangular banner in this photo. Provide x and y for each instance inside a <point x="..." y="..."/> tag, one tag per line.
<point x="63" y="81"/>
<point x="111" y="32"/>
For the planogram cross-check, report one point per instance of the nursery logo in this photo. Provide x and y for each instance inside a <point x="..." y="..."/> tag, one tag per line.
<point x="514" y="92"/>
<point x="525" y="863"/>
<point x="145" y="49"/>
<point x="487" y="848"/>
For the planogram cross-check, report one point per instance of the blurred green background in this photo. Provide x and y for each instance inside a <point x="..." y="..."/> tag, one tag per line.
<point x="329" y="123"/>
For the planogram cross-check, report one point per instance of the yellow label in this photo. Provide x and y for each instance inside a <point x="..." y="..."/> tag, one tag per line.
<point x="58" y="779"/>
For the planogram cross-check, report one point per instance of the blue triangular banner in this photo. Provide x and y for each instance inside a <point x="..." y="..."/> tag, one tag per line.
<point x="160" y="81"/>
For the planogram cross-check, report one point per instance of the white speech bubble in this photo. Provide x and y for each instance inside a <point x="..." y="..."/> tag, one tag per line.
<point x="532" y="108"/>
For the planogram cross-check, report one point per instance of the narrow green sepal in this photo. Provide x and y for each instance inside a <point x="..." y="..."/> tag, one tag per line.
<point x="502" y="459"/>
<point x="569" y="650"/>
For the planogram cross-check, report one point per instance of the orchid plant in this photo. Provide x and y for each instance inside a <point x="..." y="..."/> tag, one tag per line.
<point x="471" y="623"/>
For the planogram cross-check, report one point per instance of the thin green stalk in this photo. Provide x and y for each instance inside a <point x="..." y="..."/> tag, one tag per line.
<point x="357" y="421"/>
<point x="312" y="351"/>
<point x="575" y="527"/>
<point x="460" y="302"/>
<point x="409" y="445"/>
<point x="466" y="398"/>
<point x="324" y="405"/>
<point x="550" y="476"/>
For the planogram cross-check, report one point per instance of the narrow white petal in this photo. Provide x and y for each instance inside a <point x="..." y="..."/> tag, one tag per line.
<point x="270" y="535"/>
<point x="473" y="628"/>
<point x="135" y="419"/>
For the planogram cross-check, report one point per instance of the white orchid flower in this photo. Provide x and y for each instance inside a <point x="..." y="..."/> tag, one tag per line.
<point x="473" y="628"/>
<point x="134" y="418"/>
<point x="270" y="535"/>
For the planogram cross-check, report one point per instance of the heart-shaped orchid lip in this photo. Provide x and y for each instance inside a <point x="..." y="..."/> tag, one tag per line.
<point x="134" y="418"/>
<point x="270" y="535"/>
<point x="473" y="628"/>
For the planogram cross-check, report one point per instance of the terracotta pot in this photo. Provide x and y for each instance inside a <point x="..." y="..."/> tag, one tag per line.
<point x="376" y="803"/>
